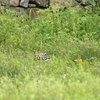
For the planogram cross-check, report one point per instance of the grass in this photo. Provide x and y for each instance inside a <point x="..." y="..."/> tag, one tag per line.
<point x="64" y="36"/>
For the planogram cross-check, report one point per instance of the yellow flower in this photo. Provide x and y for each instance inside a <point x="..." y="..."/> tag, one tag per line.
<point x="78" y="60"/>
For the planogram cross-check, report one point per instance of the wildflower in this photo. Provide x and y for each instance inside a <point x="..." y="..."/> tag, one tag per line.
<point x="76" y="60"/>
<point x="38" y="66"/>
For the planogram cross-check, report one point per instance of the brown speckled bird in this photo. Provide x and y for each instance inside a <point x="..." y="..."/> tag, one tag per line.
<point x="37" y="55"/>
<point x="45" y="56"/>
<point x="42" y="56"/>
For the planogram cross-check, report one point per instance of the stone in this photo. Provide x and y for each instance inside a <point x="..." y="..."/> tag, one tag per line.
<point x="78" y="1"/>
<point x="41" y="3"/>
<point x="80" y="7"/>
<point x="98" y="3"/>
<point x="64" y="3"/>
<point x="24" y="3"/>
<point x="14" y="3"/>
<point x="6" y="2"/>
<point x="89" y="7"/>
<point x="23" y="11"/>
<point x="31" y="5"/>
<point x="85" y="2"/>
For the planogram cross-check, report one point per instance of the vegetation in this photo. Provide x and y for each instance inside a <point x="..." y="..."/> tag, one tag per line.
<point x="64" y="36"/>
<point x="92" y="2"/>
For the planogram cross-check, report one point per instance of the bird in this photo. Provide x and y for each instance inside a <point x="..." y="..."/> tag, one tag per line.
<point x="45" y="56"/>
<point x="37" y="55"/>
<point x="42" y="56"/>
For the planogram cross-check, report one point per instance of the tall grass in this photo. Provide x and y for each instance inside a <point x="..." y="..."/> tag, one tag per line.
<point x="64" y="36"/>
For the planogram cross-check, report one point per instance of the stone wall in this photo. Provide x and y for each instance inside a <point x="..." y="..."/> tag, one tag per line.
<point x="24" y="6"/>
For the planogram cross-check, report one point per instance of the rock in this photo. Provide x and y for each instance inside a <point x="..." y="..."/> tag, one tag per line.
<point x="41" y="3"/>
<point x="89" y="7"/>
<point x="6" y="2"/>
<point x="34" y="13"/>
<point x="80" y="7"/>
<point x="98" y="3"/>
<point x="23" y="11"/>
<point x="31" y="5"/>
<point x="24" y="3"/>
<point x="78" y="1"/>
<point x="85" y="2"/>
<point x="14" y="3"/>
<point x="64" y="3"/>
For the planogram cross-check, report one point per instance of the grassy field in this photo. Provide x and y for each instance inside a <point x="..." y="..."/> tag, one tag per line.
<point x="64" y="36"/>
